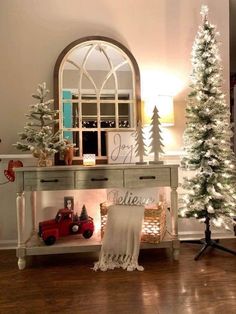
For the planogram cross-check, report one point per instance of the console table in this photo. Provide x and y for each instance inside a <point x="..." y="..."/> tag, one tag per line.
<point x="54" y="178"/>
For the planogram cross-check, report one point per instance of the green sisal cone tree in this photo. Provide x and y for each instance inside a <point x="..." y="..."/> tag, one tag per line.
<point x="38" y="136"/>
<point x="211" y="191"/>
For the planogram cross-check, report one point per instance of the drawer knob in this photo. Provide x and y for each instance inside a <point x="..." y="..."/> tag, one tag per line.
<point x="99" y="179"/>
<point x="147" y="177"/>
<point x="50" y="180"/>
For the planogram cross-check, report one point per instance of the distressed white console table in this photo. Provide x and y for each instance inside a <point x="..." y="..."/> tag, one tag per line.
<point x="54" y="178"/>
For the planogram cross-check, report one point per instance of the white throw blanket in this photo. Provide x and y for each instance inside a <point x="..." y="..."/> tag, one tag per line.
<point x="121" y="241"/>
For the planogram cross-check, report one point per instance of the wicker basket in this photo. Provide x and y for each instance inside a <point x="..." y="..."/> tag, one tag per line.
<point x="154" y="225"/>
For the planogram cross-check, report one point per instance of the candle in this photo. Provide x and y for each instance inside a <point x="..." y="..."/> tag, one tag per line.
<point x="89" y="159"/>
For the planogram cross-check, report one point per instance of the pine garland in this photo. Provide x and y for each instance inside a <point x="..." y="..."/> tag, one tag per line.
<point x="211" y="192"/>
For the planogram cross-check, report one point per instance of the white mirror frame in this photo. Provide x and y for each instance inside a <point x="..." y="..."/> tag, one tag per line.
<point x="135" y="93"/>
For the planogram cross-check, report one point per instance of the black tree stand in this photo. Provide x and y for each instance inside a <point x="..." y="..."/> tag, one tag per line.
<point x="208" y="242"/>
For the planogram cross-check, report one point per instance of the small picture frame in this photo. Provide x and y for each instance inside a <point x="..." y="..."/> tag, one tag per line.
<point x="69" y="202"/>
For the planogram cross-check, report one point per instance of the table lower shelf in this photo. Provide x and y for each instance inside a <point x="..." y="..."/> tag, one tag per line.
<point x="76" y="244"/>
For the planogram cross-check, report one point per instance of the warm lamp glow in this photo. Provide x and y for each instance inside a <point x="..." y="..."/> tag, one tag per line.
<point x="165" y="106"/>
<point x="161" y="81"/>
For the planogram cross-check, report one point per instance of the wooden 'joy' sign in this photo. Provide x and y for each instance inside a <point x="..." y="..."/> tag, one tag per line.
<point x="121" y="147"/>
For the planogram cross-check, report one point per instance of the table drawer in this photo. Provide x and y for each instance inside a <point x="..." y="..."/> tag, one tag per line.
<point x="95" y="179"/>
<point x="48" y="181"/>
<point x="149" y="177"/>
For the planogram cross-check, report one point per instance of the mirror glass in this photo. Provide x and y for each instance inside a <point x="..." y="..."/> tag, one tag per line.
<point x="96" y="89"/>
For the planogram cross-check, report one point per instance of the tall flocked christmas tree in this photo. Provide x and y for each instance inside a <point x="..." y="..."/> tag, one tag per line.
<point x="38" y="135"/>
<point x="210" y="192"/>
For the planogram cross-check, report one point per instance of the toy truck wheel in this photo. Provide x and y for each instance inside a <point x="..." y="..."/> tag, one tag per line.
<point x="74" y="229"/>
<point x="50" y="240"/>
<point x="87" y="234"/>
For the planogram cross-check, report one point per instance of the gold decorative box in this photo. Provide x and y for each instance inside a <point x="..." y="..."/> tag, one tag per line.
<point x="154" y="225"/>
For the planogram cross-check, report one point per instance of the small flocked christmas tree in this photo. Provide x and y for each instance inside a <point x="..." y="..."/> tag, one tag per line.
<point x="210" y="192"/>
<point x="140" y="150"/>
<point x="84" y="214"/>
<point x="38" y="135"/>
<point x="156" y="139"/>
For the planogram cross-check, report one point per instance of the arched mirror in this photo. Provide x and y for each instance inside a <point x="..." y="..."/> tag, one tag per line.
<point x="96" y="89"/>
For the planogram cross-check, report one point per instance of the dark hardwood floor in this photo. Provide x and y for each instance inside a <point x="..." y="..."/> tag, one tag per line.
<point x="66" y="284"/>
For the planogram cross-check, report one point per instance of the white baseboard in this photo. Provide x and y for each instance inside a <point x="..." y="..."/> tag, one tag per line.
<point x="8" y="244"/>
<point x="196" y="235"/>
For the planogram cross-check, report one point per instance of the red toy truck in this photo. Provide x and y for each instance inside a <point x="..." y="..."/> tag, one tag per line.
<point x="65" y="223"/>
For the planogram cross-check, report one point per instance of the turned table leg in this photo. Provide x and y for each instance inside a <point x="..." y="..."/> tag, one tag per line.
<point x="176" y="250"/>
<point x="21" y="263"/>
<point x="33" y="211"/>
<point x="174" y="212"/>
<point x="20" y="208"/>
<point x="174" y="223"/>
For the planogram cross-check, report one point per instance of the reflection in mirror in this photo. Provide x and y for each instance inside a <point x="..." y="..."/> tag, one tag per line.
<point x="96" y="89"/>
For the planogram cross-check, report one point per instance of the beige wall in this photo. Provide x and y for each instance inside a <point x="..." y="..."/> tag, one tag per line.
<point x="159" y="33"/>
